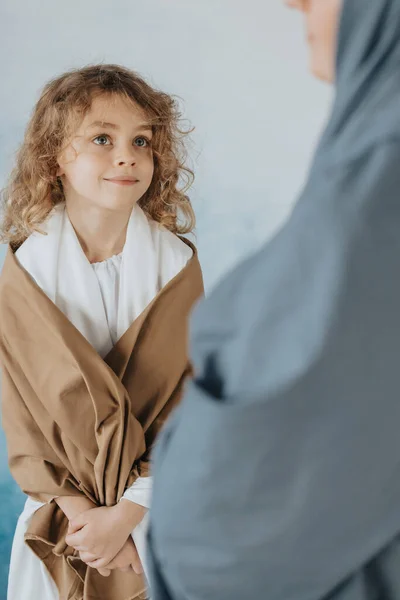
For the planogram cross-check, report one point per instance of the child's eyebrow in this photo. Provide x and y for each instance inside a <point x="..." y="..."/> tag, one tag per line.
<point x="114" y="126"/>
<point x="103" y="124"/>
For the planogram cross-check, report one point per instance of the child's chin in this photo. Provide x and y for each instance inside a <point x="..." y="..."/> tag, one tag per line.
<point x="118" y="203"/>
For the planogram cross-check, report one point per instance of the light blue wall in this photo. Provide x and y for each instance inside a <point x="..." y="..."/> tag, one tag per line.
<point x="240" y="68"/>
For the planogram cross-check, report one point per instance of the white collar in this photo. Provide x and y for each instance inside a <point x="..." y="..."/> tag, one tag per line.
<point x="152" y="256"/>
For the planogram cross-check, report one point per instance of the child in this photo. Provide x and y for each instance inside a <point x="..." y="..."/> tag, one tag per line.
<point x="94" y="298"/>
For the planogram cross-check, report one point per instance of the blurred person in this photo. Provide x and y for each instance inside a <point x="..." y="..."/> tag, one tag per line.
<point x="286" y="444"/>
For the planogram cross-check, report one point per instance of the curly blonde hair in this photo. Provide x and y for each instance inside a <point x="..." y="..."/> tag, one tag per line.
<point x="33" y="189"/>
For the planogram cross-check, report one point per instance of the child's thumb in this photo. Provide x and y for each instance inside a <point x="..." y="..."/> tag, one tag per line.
<point x="75" y="524"/>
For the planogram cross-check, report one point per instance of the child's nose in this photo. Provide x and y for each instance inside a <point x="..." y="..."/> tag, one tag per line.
<point x="126" y="156"/>
<point x="126" y="161"/>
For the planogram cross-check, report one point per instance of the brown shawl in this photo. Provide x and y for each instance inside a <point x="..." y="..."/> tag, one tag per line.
<point x="76" y="424"/>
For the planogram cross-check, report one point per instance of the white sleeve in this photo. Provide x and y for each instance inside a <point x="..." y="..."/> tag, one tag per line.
<point x="140" y="491"/>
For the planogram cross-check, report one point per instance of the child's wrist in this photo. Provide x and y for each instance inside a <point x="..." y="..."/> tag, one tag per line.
<point x="130" y="513"/>
<point x="72" y="506"/>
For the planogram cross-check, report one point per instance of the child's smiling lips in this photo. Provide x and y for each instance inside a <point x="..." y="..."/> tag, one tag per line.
<point x="122" y="180"/>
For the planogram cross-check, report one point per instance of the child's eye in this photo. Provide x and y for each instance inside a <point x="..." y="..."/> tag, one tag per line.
<point x="142" y="142"/>
<point x="101" y="140"/>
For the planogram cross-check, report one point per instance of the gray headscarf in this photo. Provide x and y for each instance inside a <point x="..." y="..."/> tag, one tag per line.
<point x="279" y="476"/>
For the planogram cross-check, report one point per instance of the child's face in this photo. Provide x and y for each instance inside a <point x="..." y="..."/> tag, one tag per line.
<point x="109" y="160"/>
<point x="322" y="23"/>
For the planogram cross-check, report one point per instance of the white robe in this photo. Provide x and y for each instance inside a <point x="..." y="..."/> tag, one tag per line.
<point x="101" y="300"/>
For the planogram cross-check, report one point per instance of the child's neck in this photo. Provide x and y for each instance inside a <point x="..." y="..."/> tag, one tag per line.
<point x="101" y="232"/>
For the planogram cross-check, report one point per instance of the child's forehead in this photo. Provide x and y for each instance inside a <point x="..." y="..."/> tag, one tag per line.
<point x="117" y="110"/>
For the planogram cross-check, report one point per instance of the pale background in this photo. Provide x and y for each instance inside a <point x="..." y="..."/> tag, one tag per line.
<point x="240" y="68"/>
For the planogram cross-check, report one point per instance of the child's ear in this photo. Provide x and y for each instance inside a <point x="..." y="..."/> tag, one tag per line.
<point x="61" y="163"/>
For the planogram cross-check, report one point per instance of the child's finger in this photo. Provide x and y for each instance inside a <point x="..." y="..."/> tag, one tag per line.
<point x="126" y="569"/>
<point x="98" y="563"/>
<point x="87" y="557"/>
<point x="73" y="528"/>
<point x="137" y="567"/>
<point x="74" y="540"/>
<point x="104" y="572"/>
<point x="77" y="523"/>
<point x="136" y="563"/>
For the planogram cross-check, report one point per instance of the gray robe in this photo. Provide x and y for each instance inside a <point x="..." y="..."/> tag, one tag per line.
<point x="278" y="478"/>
